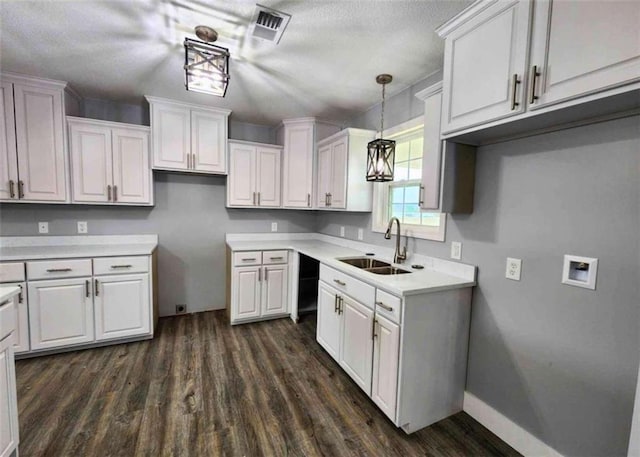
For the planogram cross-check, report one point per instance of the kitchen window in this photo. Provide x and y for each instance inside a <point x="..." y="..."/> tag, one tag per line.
<point x="401" y="197"/>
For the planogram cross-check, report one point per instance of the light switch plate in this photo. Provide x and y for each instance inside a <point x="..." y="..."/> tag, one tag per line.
<point x="342" y="231"/>
<point x="43" y="227"/>
<point x="456" y="250"/>
<point x="360" y="234"/>
<point x="514" y="269"/>
<point x="83" y="227"/>
<point x="274" y="226"/>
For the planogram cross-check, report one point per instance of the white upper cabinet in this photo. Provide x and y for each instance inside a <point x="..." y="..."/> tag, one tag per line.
<point x="299" y="174"/>
<point x="254" y="174"/>
<point x="33" y="166"/>
<point x="579" y="48"/>
<point x="485" y="65"/>
<point x="109" y="162"/>
<point x="342" y="166"/>
<point x="187" y="137"/>
<point x="506" y="62"/>
<point x="432" y="152"/>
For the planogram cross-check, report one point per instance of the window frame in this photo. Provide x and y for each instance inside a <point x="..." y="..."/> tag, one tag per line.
<point x="380" y="207"/>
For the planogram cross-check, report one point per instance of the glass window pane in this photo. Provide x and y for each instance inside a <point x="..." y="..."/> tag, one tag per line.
<point x="412" y="218"/>
<point x="411" y="194"/>
<point x="396" y="211"/>
<point x="397" y="194"/>
<point x="416" y="148"/>
<point x="402" y="151"/>
<point x="401" y="172"/>
<point x="415" y="169"/>
<point x="431" y="219"/>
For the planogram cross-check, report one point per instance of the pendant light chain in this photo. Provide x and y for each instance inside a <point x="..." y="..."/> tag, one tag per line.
<point x="382" y="114"/>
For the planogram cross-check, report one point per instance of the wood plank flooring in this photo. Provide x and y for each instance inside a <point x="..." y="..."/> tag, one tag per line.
<point x="204" y="388"/>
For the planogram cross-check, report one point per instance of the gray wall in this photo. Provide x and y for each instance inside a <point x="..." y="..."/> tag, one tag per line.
<point x="560" y="361"/>
<point x="191" y="221"/>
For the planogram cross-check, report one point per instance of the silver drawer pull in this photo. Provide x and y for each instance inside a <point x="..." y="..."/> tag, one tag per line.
<point x="340" y="283"/>
<point x="58" y="270"/>
<point x="383" y="306"/>
<point x="249" y="260"/>
<point x="276" y="258"/>
<point x="6" y="302"/>
<point x="121" y="266"/>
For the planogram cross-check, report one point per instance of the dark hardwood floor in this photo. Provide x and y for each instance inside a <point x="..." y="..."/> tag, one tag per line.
<point x="204" y="388"/>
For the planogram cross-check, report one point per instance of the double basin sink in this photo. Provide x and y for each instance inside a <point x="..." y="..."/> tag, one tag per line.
<point x="378" y="267"/>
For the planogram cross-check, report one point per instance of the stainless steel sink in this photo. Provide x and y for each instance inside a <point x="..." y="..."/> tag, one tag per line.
<point x="365" y="262"/>
<point x="375" y="266"/>
<point x="387" y="270"/>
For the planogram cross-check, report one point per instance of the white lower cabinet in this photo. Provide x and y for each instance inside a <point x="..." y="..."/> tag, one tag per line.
<point x="259" y="290"/>
<point x="121" y="306"/>
<point x="328" y="332"/>
<point x="21" y="334"/>
<point x="386" y="345"/>
<point x="8" y="399"/>
<point x="60" y="312"/>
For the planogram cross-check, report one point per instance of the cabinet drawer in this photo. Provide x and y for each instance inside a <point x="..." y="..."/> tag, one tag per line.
<point x="388" y="306"/>
<point x="247" y="258"/>
<point x="361" y="291"/>
<point x="273" y="257"/>
<point x="115" y="265"/>
<point x="49" y="269"/>
<point x="7" y="317"/>
<point x="12" y="272"/>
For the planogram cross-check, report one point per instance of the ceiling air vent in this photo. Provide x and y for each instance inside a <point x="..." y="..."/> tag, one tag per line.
<point x="268" y="24"/>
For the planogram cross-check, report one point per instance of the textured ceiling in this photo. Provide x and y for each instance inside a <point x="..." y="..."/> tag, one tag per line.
<point x="324" y="66"/>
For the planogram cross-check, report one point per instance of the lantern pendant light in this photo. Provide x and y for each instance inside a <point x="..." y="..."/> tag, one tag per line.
<point x="381" y="152"/>
<point x="206" y="66"/>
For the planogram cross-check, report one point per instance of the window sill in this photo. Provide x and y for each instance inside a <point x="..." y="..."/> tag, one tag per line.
<point x="423" y="233"/>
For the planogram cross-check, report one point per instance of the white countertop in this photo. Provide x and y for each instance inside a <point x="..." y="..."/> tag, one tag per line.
<point x="7" y="292"/>
<point x="61" y="247"/>
<point x="438" y="274"/>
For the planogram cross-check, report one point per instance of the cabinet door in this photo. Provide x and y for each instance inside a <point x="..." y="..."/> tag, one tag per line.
<point x="298" y="166"/>
<point x="40" y="143"/>
<point x="8" y="157"/>
<point x="209" y="141"/>
<point x="21" y="334"/>
<point x="325" y="166"/>
<point x="356" y="350"/>
<point x="432" y="154"/>
<point x="60" y="313"/>
<point x="274" y="290"/>
<point x="328" y="330"/>
<point x="8" y="400"/>
<point x="481" y="60"/>
<point x="385" y="366"/>
<point x="131" y="169"/>
<point x="170" y="126"/>
<point x="583" y="47"/>
<point x="91" y="162"/>
<point x="338" y="181"/>
<point x="122" y="306"/>
<point x="245" y="295"/>
<point x="268" y="176"/>
<point x="241" y="185"/>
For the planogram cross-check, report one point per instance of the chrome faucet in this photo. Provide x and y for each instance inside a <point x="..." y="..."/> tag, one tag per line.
<point x="399" y="256"/>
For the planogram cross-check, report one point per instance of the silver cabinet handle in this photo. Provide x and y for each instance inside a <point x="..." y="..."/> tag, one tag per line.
<point x="383" y="306"/>
<point x="87" y="284"/>
<point x="58" y="270"/>
<point x="115" y="193"/>
<point x="12" y="192"/>
<point x="330" y="198"/>
<point x="20" y="189"/>
<point x="514" y="91"/>
<point x="373" y="329"/>
<point x="326" y="199"/>
<point x="340" y="283"/>
<point x="335" y="304"/>
<point x="420" y="199"/>
<point x="340" y="302"/>
<point x="120" y="266"/>
<point x="309" y="200"/>
<point x="258" y="198"/>
<point x="109" y="192"/>
<point x="97" y="285"/>
<point x="534" y="76"/>
<point x="259" y="274"/>
<point x="276" y="258"/>
<point x="254" y="199"/>
<point x="266" y="274"/>
<point x="6" y="302"/>
<point x="20" y="298"/>
<point x="252" y="259"/>
<point x="193" y="161"/>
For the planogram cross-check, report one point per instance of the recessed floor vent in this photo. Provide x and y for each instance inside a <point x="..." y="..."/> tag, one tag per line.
<point x="268" y="24"/>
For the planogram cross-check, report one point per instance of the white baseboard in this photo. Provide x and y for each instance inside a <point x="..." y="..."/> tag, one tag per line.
<point x="507" y="430"/>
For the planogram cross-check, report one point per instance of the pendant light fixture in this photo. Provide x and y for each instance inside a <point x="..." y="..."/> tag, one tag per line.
<point x="381" y="152"/>
<point x="206" y="66"/>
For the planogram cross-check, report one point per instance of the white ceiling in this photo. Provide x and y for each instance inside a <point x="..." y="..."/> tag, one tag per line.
<point x="324" y="66"/>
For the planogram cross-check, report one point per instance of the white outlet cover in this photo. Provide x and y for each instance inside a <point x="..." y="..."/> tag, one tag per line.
<point x="83" y="227"/>
<point x="43" y="227"/>
<point x="514" y="269"/>
<point x="456" y="250"/>
<point x="342" y="231"/>
<point x="360" y="234"/>
<point x="274" y="226"/>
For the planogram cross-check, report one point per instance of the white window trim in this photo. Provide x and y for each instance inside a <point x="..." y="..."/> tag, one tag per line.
<point x="380" y="217"/>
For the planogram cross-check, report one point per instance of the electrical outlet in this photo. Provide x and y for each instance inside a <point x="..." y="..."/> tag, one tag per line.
<point x="360" y="234"/>
<point x="456" y="250"/>
<point x="274" y="226"/>
<point x="342" y="231"/>
<point x="514" y="268"/>
<point x="43" y="227"/>
<point x="181" y="308"/>
<point x="83" y="227"/>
